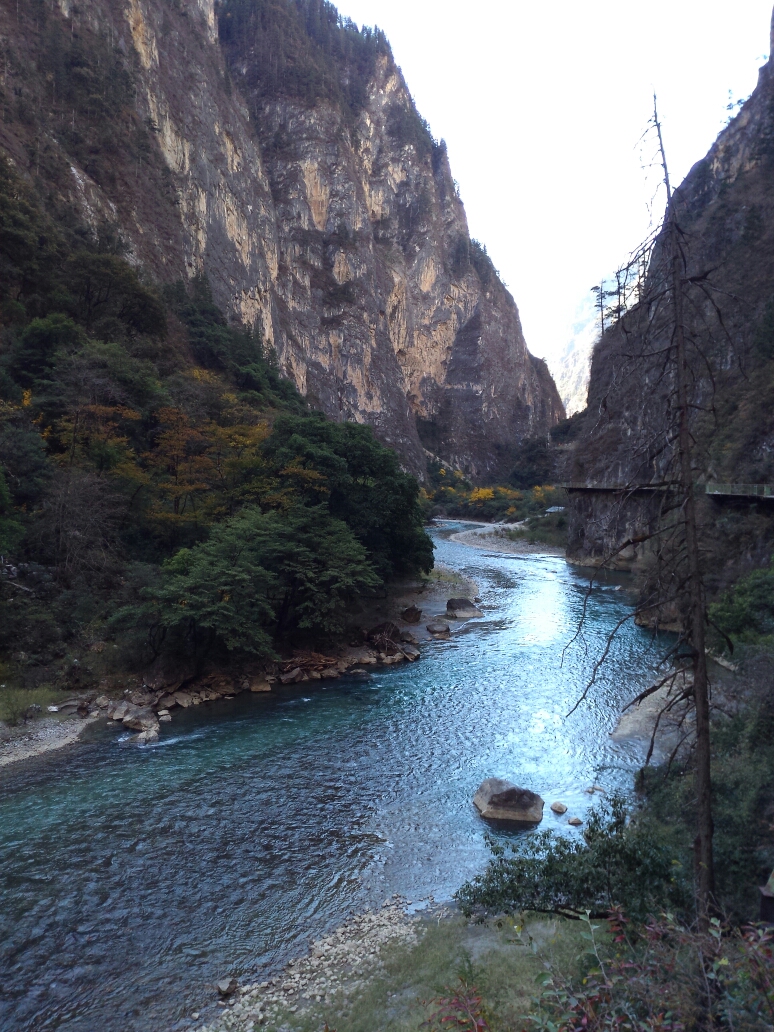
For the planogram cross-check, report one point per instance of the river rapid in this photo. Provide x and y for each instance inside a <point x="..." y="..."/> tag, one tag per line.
<point x="133" y="878"/>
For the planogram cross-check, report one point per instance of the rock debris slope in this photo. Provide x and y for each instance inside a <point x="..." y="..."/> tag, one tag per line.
<point x="276" y="148"/>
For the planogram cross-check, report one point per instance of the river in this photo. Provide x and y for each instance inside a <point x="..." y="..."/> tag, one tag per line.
<point x="133" y="879"/>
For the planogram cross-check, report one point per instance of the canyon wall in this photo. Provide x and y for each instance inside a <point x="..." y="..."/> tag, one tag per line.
<point x="336" y="228"/>
<point x="725" y="210"/>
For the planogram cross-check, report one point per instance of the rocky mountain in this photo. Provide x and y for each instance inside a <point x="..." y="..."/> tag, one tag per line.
<point x="275" y="148"/>
<point x="725" y="209"/>
<point x="572" y="367"/>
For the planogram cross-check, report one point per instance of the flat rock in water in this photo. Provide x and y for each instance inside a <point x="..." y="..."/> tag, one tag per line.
<point x="462" y="609"/>
<point x="411" y="652"/>
<point x="558" y="807"/>
<point x="499" y="800"/>
<point x="438" y="627"/>
<point x="260" y="686"/>
<point x="575" y="821"/>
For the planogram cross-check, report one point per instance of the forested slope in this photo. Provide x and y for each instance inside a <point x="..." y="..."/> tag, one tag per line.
<point x="162" y="488"/>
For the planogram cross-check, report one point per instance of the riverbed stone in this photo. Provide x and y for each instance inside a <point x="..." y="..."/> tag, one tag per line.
<point x="292" y="676"/>
<point x="462" y="609"/>
<point x="227" y="986"/>
<point x="411" y="615"/>
<point x="259" y="684"/>
<point x="183" y="699"/>
<point x="140" y="719"/>
<point x="411" y="652"/>
<point x="575" y="821"/>
<point x="439" y="628"/>
<point x="558" y="807"/>
<point x="500" y="800"/>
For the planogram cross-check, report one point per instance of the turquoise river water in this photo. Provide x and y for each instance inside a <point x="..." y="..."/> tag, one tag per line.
<point x="133" y="879"/>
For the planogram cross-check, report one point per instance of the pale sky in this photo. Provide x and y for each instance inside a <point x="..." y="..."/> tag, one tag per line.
<point x="542" y="104"/>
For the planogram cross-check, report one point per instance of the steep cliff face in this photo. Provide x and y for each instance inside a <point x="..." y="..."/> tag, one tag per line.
<point x="725" y="209"/>
<point x="335" y="226"/>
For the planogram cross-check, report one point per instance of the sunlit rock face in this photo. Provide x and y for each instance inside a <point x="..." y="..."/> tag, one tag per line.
<point x="343" y="239"/>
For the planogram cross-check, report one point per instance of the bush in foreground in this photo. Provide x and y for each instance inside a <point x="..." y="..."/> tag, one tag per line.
<point x="616" y="863"/>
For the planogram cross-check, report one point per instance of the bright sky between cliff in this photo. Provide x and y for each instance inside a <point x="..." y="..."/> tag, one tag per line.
<point x="542" y="104"/>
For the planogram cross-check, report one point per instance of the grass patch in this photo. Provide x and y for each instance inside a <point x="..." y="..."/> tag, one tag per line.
<point x="550" y="529"/>
<point x="491" y="956"/>
<point x="14" y="701"/>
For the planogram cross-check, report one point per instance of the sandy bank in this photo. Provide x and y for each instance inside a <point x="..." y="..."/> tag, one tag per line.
<point x="41" y="737"/>
<point x="491" y="537"/>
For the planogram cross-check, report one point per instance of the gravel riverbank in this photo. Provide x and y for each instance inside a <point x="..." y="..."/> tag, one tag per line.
<point x="492" y="536"/>
<point x="337" y="967"/>
<point x="42" y="736"/>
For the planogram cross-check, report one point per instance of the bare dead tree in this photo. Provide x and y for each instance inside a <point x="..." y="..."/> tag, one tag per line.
<point x="668" y="328"/>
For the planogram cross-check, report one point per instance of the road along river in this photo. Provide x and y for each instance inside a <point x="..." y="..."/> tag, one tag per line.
<point x="133" y="879"/>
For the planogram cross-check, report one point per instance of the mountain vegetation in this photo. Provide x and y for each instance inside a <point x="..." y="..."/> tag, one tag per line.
<point x="162" y="487"/>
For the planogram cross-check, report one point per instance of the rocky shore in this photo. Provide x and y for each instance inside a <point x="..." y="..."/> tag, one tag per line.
<point x="42" y="736"/>
<point x="336" y="967"/>
<point x="391" y="631"/>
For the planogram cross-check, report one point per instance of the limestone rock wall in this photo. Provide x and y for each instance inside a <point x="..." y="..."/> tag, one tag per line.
<point x="341" y="243"/>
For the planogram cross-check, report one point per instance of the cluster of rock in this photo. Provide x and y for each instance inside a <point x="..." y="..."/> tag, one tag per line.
<point x="503" y="802"/>
<point x="456" y="609"/>
<point x="384" y="645"/>
<point x="337" y="966"/>
<point x="499" y="800"/>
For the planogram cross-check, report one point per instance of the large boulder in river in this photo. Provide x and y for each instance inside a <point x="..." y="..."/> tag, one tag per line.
<point x="462" y="609"/>
<point x="412" y="615"/>
<point x="498" y="800"/>
<point x="140" y="719"/>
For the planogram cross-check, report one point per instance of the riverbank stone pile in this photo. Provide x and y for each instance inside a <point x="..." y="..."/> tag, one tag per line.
<point x="337" y="967"/>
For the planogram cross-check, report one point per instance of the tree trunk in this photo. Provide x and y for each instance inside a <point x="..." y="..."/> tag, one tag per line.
<point x="703" y="860"/>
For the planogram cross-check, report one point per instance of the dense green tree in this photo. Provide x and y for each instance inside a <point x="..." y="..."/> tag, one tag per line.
<point x="11" y="529"/>
<point x="32" y="358"/>
<point x="363" y="484"/>
<point x="263" y="577"/>
<point x="746" y="613"/>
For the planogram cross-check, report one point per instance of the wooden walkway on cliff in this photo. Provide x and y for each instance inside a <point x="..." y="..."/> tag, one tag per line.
<point x="762" y="491"/>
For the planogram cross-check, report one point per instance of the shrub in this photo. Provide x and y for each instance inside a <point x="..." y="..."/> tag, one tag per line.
<point x="617" y="863"/>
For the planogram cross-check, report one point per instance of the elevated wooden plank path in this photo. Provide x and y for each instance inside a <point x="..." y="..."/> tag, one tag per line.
<point x="714" y="489"/>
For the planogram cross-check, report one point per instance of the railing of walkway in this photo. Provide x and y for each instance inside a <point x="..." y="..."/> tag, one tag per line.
<point x="729" y="490"/>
